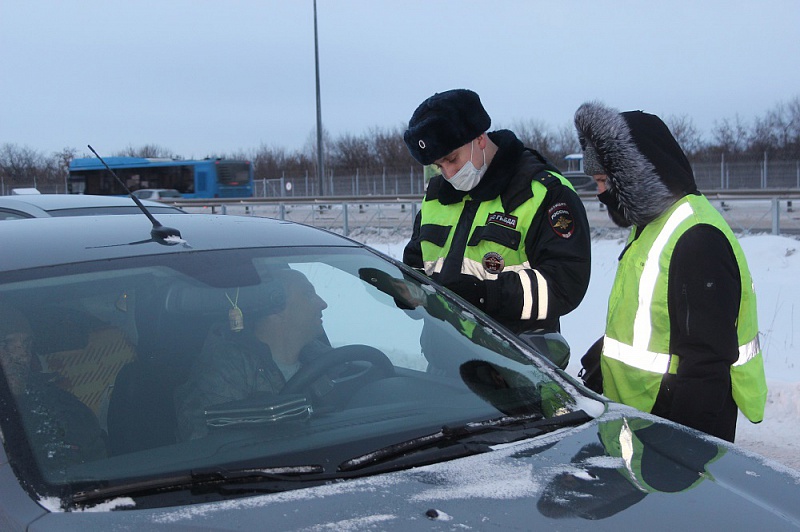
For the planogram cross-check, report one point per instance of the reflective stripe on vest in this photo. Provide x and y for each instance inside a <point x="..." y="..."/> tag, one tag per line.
<point x="748" y="351"/>
<point x="659" y="362"/>
<point x="433" y="266"/>
<point x="643" y="324"/>
<point x="636" y="358"/>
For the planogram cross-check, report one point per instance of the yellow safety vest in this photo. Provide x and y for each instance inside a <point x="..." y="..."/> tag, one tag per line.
<point x="636" y="351"/>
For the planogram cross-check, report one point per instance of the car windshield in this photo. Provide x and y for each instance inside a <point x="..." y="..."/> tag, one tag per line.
<point x="321" y="361"/>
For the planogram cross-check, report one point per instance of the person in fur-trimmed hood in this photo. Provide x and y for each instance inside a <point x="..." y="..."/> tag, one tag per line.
<point x="681" y="336"/>
<point x="500" y="226"/>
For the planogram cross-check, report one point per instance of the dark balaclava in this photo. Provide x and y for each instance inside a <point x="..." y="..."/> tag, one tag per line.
<point x="445" y="121"/>
<point x="646" y="168"/>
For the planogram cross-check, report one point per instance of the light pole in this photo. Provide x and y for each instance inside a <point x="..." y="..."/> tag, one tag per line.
<point x="320" y="167"/>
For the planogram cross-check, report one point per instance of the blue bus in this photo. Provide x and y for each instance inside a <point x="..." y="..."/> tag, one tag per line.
<point x="206" y="178"/>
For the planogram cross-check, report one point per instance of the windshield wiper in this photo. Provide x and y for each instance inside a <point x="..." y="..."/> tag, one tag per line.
<point x="463" y="440"/>
<point x="277" y="477"/>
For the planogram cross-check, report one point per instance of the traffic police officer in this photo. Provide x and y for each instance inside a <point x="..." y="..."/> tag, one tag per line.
<point x="500" y="226"/>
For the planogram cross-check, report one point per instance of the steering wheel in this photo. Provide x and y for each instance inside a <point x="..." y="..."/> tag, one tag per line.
<point x="338" y="386"/>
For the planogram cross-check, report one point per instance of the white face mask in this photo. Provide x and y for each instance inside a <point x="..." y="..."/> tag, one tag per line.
<point x="468" y="177"/>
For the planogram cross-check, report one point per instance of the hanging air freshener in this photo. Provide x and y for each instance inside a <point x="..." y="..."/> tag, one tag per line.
<point x="235" y="317"/>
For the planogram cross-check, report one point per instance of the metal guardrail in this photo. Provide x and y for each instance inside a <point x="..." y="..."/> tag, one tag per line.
<point x="789" y="193"/>
<point x="747" y="211"/>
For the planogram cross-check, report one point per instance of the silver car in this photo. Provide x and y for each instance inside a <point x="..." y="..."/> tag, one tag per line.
<point x="56" y="205"/>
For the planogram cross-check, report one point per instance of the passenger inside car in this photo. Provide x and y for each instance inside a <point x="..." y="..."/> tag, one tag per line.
<point x="274" y="342"/>
<point x="83" y="352"/>
<point x="62" y="431"/>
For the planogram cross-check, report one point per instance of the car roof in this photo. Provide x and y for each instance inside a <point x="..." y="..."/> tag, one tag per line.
<point x="49" y="241"/>
<point x="39" y="205"/>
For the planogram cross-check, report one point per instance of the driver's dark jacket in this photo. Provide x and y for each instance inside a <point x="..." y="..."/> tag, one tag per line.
<point x="231" y="366"/>
<point x="560" y="259"/>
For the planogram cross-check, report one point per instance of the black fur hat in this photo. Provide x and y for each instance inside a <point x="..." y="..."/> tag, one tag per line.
<point x="445" y="121"/>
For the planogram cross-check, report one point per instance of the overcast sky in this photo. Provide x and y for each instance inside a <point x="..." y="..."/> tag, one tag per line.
<point x="205" y="77"/>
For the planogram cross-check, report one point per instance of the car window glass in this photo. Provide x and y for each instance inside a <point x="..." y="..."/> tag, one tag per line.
<point x="12" y="215"/>
<point x="354" y="316"/>
<point x="124" y="350"/>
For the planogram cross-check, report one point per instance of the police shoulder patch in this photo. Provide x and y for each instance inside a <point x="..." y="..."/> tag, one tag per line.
<point x="561" y="220"/>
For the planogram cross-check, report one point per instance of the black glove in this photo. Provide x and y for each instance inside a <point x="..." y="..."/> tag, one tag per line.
<point x="472" y="290"/>
<point x="386" y="284"/>
<point x="590" y="372"/>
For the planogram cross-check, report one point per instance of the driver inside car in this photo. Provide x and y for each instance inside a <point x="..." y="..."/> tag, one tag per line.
<point x="276" y="340"/>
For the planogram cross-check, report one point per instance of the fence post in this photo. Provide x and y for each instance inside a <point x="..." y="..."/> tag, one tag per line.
<point x="722" y="172"/>
<point x="776" y="214"/>
<point x="345" y="225"/>
<point x="282" y="211"/>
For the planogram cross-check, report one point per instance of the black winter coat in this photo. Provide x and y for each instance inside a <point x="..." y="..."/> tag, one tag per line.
<point x="563" y="262"/>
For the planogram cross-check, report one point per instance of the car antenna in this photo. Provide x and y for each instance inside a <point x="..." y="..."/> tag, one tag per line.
<point x="158" y="231"/>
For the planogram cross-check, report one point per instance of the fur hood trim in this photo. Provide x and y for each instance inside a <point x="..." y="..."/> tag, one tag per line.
<point x="647" y="171"/>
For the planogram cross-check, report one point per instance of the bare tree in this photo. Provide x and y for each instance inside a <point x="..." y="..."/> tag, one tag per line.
<point x="539" y="136"/>
<point x="350" y="151"/>
<point x="779" y="129"/>
<point x="148" y="150"/>
<point x="20" y="167"/>
<point x="310" y="147"/>
<point x="566" y="142"/>
<point x="730" y="136"/>
<point x="685" y="132"/>
<point x="62" y="159"/>
<point x="390" y="149"/>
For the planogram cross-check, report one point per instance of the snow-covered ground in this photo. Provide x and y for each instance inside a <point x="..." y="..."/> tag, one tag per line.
<point x="775" y="266"/>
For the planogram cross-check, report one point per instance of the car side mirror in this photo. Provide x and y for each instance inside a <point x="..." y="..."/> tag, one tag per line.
<point x="550" y="345"/>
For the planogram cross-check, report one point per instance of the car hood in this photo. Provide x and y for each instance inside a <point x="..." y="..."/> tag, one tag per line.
<point x="625" y="469"/>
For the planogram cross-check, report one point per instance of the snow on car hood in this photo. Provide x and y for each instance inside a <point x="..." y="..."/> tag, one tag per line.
<point x="571" y="477"/>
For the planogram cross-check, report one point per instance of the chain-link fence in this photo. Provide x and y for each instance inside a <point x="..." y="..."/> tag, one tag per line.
<point x="762" y="174"/>
<point x="44" y="188"/>
<point x="724" y="175"/>
<point x="344" y="182"/>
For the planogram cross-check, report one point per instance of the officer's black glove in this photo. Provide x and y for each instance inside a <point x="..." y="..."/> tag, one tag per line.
<point x="471" y="290"/>
<point x="399" y="289"/>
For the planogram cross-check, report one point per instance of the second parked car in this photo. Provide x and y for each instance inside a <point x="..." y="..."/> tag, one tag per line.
<point x="57" y="205"/>
<point x="157" y="193"/>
